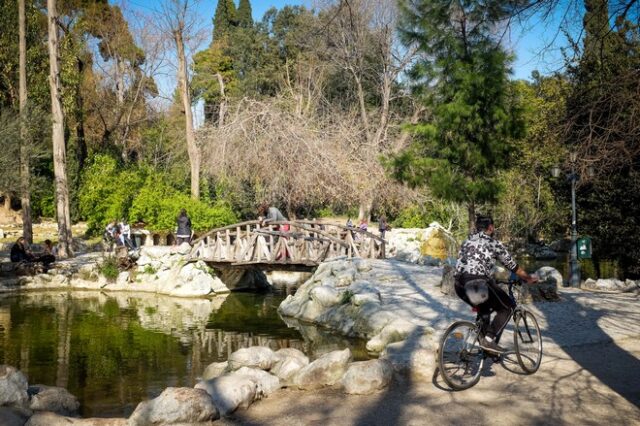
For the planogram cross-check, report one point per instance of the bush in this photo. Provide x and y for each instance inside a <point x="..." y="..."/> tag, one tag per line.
<point x="109" y="268"/>
<point x="158" y="205"/>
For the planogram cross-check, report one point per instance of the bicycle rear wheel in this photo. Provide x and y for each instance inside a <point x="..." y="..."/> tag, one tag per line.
<point x="528" y="341"/>
<point x="460" y="357"/>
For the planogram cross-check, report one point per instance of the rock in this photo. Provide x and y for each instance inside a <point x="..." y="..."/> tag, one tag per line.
<point x="13" y="387"/>
<point x="175" y="405"/>
<point x="365" y="377"/>
<point x="325" y="371"/>
<point x="53" y="419"/>
<point x="448" y="280"/>
<point x="13" y="416"/>
<point x="551" y="275"/>
<point x="607" y="284"/>
<point x="215" y="369"/>
<point x="184" y="249"/>
<point x="362" y="298"/>
<point x="55" y="399"/>
<point x="230" y="392"/>
<point x="266" y="383"/>
<point x="418" y="362"/>
<point x="254" y="357"/>
<point x="326" y="296"/>
<point x="541" y="252"/>
<point x="394" y="331"/>
<point x="290" y="361"/>
<point x="123" y="278"/>
<point x="287" y="368"/>
<point x="431" y="246"/>
<point x="156" y="252"/>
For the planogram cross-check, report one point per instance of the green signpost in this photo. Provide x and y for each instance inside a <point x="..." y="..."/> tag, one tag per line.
<point x="584" y="247"/>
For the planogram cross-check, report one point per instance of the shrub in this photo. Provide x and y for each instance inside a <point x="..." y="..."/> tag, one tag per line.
<point x="109" y="268"/>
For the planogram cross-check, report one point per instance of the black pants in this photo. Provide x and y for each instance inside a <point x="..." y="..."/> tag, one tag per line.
<point x="498" y="302"/>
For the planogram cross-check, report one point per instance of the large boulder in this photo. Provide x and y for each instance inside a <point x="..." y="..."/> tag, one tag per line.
<point x="367" y="377"/>
<point x="290" y="361"/>
<point x="46" y="418"/>
<point x="325" y="371"/>
<point x="215" y="369"/>
<point x="13" y="416"/>
<point x="174" y="406"/>
<point x="604" y="284"/>
<point x="55" y="399"/>
<point x="430" y="246"/>
<point x="266" y="383"/>
<point x="253" y="357"/>
<point x="395" y="331"/>
<point x="230" y="392"/>
<point x="13" y="387"/>
<point x="415" y="359"/>
<point x="546" y="289"/>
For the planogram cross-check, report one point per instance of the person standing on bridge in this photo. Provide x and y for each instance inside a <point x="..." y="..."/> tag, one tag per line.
<point x="183" y="233"/>
<point x="272" y="214"/>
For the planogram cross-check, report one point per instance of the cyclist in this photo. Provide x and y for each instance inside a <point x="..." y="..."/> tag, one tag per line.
<point x="475" y="285"/>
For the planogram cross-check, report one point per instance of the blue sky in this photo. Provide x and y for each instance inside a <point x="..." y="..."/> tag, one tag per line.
<point x="528" y="43"/>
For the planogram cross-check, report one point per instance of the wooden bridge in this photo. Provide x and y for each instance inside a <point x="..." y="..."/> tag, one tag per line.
<point x="284" y="245"/>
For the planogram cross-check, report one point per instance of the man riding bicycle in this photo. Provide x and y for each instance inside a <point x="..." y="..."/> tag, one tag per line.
<point x="475" y="285"/>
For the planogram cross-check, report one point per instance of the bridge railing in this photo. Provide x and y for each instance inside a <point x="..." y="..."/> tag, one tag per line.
<point x="296" y="242"/>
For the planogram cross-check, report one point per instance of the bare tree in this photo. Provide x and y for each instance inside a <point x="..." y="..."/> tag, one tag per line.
<point x="178" y="21"/>
<point x="59" y="155"/>
<point x="362" y="40"/>
<point x="25" y="172"/>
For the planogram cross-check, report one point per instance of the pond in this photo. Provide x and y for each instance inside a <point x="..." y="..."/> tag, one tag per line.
<point x="114" y="350"/>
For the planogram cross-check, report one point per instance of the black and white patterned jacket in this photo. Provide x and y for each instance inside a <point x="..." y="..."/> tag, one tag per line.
<point x="479" y="253"/>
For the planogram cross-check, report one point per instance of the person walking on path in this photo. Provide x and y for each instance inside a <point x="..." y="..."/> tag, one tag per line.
<point x="183" y="233"/>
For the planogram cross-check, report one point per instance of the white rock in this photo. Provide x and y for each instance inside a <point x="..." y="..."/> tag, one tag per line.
<point x="292" y="353"/>
<point x="123" y="278"/>
<point x="326" y="296"/>
<point x="254" y="357"/>
<point x="266" y="383"/>
<point x="13" y="387"/>
<point x="184" y="249"/>
<point x="52" y="419"/>
<point x="366" y="377"/>
<point x="215" y="369"/>
<point x="156" y="252"/>
<point x="547" y="273"/>
<point x="362" y="298"/>
<point x="230" y="392"/>
<point x="394" y="331"/>
<point x="325" y="371"/>
<point x="412" y="361"/>
<point x="143" y="260"/>
<point x="175" y="405"/>
<point x="54" y="399"/>
<point x="287" y="368"/>
<point x="609" y="284"/>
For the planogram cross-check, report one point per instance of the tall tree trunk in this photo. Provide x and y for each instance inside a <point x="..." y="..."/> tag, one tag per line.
<point x="471" y="208"/>
<point x="25" y="171"/>
<point x="192" y="148"/>
<point x="59" y="155"/>
<point x="81" y="143"/>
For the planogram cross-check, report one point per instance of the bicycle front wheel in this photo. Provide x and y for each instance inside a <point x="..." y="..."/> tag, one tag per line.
<point x="528" y="341"/>
<point x="460" y="357"/>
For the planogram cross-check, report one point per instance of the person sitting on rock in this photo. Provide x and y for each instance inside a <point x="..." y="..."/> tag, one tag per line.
<point x="20" y="252"/>
<point x="49" y="253"/>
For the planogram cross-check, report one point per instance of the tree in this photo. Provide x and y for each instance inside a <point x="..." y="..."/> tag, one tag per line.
<point x="245" y="20"/>
<point x="223" y="19"/>
<point x="25" y="171"/>
<point x="179" y="22"/>
<point x="59" y="154"/>
<point x="463" y="75"/>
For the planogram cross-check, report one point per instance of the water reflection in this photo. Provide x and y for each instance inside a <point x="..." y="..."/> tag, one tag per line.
<point x="114" y="350"/>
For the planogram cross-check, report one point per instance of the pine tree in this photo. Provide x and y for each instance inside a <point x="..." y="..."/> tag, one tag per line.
<point x="463" y="80"/>
<point x="244" y="14"/>
<point x="224" y="19"/>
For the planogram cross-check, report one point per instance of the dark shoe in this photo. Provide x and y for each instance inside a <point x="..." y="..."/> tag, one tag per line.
<point x="491" y="346"/>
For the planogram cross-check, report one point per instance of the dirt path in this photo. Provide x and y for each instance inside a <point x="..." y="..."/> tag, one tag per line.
<point x="597" y="383"/>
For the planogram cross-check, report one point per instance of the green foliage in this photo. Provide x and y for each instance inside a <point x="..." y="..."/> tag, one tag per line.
<point x="245" y="19"/>
<point x="109" y="268"/>
<point x="148" y="269"/>
<point x="474" y="118"/>
<point x="223" y="19"/>
<point x="448" y="214"/>
<point x="107" y="191"/>
<point x="158" y="204"/>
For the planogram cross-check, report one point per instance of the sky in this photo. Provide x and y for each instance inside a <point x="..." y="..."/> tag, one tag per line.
<point x="535" y="44"/>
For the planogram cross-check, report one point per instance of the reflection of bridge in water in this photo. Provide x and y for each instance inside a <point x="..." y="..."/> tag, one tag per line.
<point x="284" y="245"/>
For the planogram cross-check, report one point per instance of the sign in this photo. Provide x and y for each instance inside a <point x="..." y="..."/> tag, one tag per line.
<point x="584" y="247"/>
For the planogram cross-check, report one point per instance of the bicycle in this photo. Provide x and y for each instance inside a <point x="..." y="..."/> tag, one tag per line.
<point x="460" y="357"/>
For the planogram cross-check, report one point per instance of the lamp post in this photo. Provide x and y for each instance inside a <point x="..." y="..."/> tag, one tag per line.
<point x="574" y="266"/>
